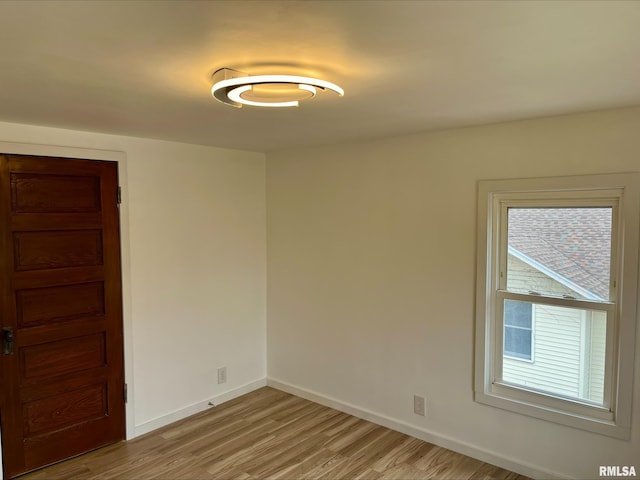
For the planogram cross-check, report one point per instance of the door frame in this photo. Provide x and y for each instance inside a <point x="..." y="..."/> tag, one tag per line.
<point x="121" y="159"/>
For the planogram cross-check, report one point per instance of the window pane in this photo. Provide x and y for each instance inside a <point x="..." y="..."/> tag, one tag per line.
<point x="517" y="314"/>
<point x="560" y="251"/>
<point x="517" y="343"/>
<point x="569" y="353"/>
<point x="517" y="329"/>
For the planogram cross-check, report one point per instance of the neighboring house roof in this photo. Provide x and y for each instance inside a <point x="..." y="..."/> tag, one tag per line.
<point x="572" y="245"/>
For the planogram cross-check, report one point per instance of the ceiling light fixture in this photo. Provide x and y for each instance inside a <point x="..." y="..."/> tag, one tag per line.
<point x="237" y="89"/>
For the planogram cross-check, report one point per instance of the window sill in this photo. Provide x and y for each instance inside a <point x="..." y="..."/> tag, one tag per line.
<point x="601" y="426"/>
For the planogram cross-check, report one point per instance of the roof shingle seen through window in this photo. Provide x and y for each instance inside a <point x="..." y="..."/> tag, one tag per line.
<point x="575" y="243"/>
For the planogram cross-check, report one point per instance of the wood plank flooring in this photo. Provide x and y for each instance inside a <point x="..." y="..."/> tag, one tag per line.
<point x="269" y="434"/>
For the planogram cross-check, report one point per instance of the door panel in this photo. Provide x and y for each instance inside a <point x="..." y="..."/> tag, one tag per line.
<point x="62" y="357"/>
<point x="45" y="250"/>
<point x="41" y="306"/>
<point x="68" y="408"/>
<point x="62" y="388"/>
<point x="54" y="193"/>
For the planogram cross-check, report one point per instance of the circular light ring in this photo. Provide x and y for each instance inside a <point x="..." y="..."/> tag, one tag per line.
<point x="309" y="88"/>
<point x="235" y="95"/>
<point x="221" y="90"/>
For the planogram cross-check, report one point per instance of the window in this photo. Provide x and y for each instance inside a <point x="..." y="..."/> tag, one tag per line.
<point x="518" y="330"/>
<point x="556" y="310"/>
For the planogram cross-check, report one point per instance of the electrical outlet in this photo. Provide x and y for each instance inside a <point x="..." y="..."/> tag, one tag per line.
<point x="419" y="405"/>
<point x="222" y="375"/>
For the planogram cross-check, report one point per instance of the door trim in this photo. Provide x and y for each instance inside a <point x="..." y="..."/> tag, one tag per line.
<point x="121" y="159"/>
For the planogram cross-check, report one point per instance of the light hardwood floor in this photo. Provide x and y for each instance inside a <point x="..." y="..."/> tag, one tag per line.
<point x="269" y="434"/>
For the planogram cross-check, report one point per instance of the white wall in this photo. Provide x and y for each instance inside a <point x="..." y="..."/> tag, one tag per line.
<point x="194" y="268"/>
<point x="371" y="275"/>
<point x="371" y="279"/>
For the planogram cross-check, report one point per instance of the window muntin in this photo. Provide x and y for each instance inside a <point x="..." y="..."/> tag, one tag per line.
<point x="607" y="407"/>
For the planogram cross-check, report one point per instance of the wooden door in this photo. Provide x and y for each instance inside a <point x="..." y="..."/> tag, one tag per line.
<point x="62" y="385"/>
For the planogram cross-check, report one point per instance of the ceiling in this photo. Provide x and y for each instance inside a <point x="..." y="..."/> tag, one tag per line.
<point x="143" y="68"/>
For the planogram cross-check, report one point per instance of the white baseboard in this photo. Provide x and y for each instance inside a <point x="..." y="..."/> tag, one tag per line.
<point x="403" y="427"/>
<point x="197" y="407"/>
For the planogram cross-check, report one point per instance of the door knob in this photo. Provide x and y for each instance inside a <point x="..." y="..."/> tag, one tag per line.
<point x="7" y="340"/>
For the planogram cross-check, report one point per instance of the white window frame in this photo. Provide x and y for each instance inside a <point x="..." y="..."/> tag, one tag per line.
<point x="620" y="191"/>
